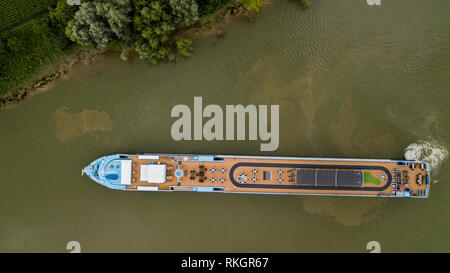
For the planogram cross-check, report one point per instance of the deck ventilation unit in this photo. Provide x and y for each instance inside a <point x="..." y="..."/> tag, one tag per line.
<point x="267" y="175"/>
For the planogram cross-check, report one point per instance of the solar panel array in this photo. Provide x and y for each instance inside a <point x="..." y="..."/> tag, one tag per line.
<point x="326" y="178"/>
<point x="349" y="178"/>
<point x="336" y="178"/>
<point x="306" y="176"/>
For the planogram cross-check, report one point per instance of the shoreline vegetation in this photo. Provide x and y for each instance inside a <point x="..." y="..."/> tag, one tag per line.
<point x="63" y="38"/>
<point x="59" y="70"/>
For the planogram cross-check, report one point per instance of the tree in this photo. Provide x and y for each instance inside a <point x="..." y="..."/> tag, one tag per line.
<point x="15" y="44"/>
<point x="69" y="31"/>
<point x="59" y="19"/>
<point x="252" y="5"/>
<point x="62" y="14"/>
<point x="2" y="48"/>
<point x="184" y="47"/>
<point x="185" y="11"/>
<point x="153" y="23"/>
<point x="209" y="7"/>
<point x="99" y="22"/>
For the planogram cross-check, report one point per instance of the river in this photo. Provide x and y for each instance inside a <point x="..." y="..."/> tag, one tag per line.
<point x="352" y="80"/>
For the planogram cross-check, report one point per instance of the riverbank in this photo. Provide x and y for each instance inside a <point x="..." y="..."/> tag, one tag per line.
<point x="31" y="51"/>
<point x="60" y="70"/>
<point x="213" y="25"/>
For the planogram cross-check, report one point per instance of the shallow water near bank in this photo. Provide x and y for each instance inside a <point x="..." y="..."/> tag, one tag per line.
<point x="351" y="80"/>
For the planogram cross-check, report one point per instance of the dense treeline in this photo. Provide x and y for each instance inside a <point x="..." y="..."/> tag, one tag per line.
<point x="148" y="27"/>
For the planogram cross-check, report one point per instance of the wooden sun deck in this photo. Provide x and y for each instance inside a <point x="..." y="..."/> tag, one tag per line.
<point x="213" y="177"/>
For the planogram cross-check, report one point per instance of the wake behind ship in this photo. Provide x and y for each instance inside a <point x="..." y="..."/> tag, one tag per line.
<point x="261" y="174"/>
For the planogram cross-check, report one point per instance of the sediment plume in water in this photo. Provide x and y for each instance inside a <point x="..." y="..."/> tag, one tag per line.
<point x="69" y="125"/>
<point x="429" y="151"/>
<point x="348" y="211"/>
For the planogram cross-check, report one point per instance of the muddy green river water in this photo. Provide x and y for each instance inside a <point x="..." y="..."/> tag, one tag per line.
<point x="351" y="80"/>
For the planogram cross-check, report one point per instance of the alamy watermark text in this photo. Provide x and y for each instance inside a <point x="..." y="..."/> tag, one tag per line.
<point x="235" y="118"/>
